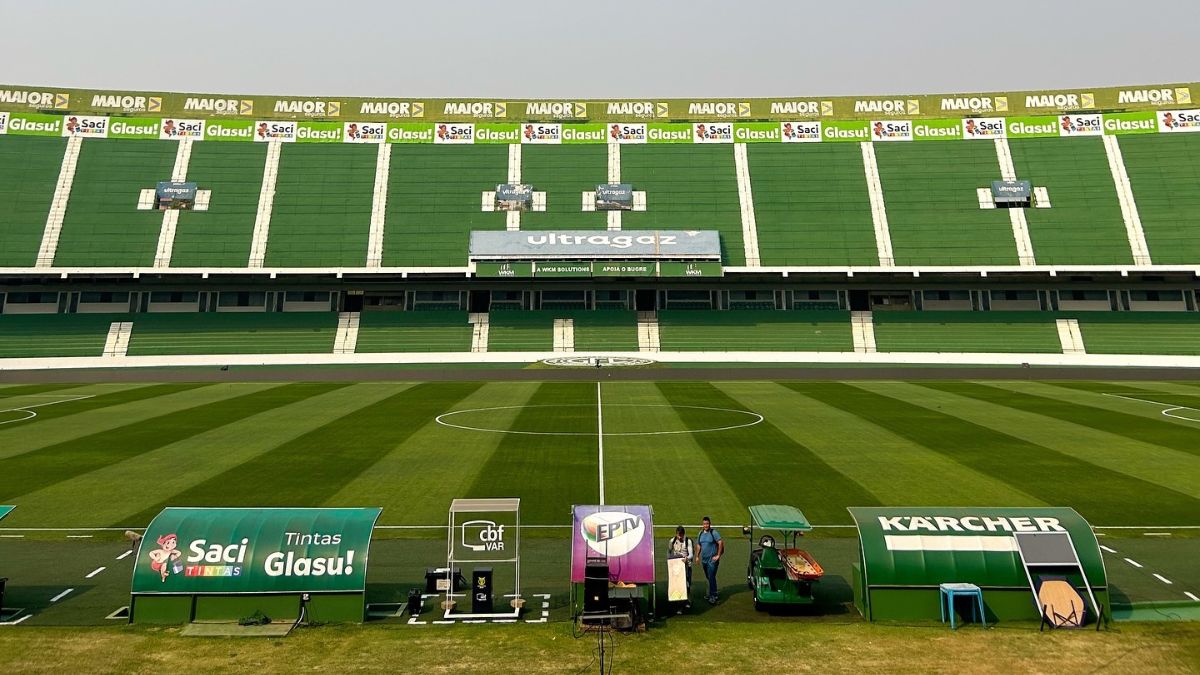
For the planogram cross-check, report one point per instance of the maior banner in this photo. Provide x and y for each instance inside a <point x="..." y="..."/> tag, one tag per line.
<point x="233" y="550"/>
<point x="622" y="534"/>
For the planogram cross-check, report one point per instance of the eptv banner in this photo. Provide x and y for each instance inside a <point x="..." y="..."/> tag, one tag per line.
<point x="230" y="550"/>
<point x="622" y="534"/>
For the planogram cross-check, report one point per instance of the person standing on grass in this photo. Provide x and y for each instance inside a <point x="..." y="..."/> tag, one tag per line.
<point x="681" y="546"/>
<point x="709" y="555"/>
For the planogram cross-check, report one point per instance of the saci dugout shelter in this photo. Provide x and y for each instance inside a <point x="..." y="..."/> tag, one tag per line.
<point x="225" y="564"/>
<point x="905" y="553"/>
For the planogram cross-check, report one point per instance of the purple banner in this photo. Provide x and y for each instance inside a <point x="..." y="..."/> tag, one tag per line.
<point x="622" y="534"/>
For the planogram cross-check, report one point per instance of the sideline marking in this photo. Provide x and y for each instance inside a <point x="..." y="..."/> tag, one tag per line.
<point x="1133" y="562"/>
<point x="1163" y="579"/>
<point x="1171" y="407"/>
<point x="62" y="595"/>
<point x="757" y="420"/>
<point x="1191" y="595"/>
<point x="124" y="555"/>
<point x="1110" y="550"/>
<point x="31" y="414"/>
<point x="600" y="439"/>
<point x="17" y="621"/>
<point x="94" y="572"/>
<point x="79" y="536"/>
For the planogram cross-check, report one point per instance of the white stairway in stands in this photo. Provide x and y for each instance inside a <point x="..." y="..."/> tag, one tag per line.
<point x="58" y="206"/>
<point x="1070" y="337"/>
<point x="117" y="342"/>
<point x="647" y="332"/>
<point x="564" y="335"/>
<point x="166" y="234"/>
<point x="746" y="200"/>
<point x="266" y="201"/>
<point x="479" y="331"/>
<point x="347" y="333"/>
<point x="883" y="235"/>
<point x="862" y="327"/>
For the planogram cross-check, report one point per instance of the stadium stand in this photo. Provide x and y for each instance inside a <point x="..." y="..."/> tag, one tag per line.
<point x="417" y="331"/>
<point x="434" y="202"/>
<point x="233" y="333"/>
<point x="932" y="209"/>
<point x="322" y="211"/>
<point x="564" y="173"/>
<point x="692" y="187"/>
<point x="1084" y="224"/>
<point x="1176" y="333"/>
<point x="220" y="236"/>
<point x="603" y="329"/>
<point x="754" y="330"/>
<point x="811" y="205"/>
<point x="28" y="171"/>
<point x="103" y="227"/>
<point x="953" y="331"/>
<point x="517" y="331"/>
<point x="34" y="335"/>
<point x="1164" y="171"/>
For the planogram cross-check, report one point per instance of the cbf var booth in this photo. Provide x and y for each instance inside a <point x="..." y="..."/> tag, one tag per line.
<point x="222" y="565"/>
<point x="906" y="554"/>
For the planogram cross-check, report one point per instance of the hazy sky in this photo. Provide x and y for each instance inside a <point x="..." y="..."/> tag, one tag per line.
<point x="523" y="49"/>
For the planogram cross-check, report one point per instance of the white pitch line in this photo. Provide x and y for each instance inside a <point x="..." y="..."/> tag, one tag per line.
<point x="17" y="621"/>
<point x="1156" y="534"/>
<point x="1171" y="407"/>
<point x="94" y="572"/>
<point x="79" y="536"/>
<point x="12" y="536"/>
<point x="32" y="414"/>
<point x="1133" y="562"/>
<point x="124" y="555"/>
<point x="1191" y="595"/>
<point x="1110" y="550"/>
<point x="600" y="439"/>
<point x="62" y="595"/>
<point x="1163" y="579"/>
<point x="441" y="419"/>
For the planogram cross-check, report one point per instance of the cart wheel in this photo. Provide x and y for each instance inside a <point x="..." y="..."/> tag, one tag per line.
<point x="758" y="606"/>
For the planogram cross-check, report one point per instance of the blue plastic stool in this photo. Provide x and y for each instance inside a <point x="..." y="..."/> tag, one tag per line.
<point x="951" y="591"/>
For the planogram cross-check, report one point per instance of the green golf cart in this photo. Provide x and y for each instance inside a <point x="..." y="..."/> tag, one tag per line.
<point x="779" y="573"/>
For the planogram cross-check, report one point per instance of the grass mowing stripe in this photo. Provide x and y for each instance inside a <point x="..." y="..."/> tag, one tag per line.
<point x="549" y="472"/>
<point x="671" y="472"/>
<point x="1174" y="436"/>
<point x="1101" y="495"/>
<point x="308" y="470"/>
<point x="1154" y="464"/>
<point x="102" y="400"/>
<point x="18" y="439"/>
<point x="430" y="452"/>
<point x="142" y="481"/>
<point x="858" y="449"/>
<point x="26" y="389"/>
<point x="763" y="465"/>
<point x="35" y="470"/>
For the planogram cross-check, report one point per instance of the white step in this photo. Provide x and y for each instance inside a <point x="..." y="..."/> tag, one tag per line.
<point x="383" y="163"/>
<point x="862" y="329"/>
<point x="479" y="332"/>
<point x="1129" y="209"/>
<point x="883" y="236"/>
<point x="746" y="201"/>
<point x="58" y="204"/>
<point x="1016" y="217"/>
<point x="1069" y="336"/>
<point x="347" y="333"/>
<point x="117" y="341"/>
<point x="564" y="335"/>
<point x="614" y="220"/>
<point x="614" y="162"/>
<point x="266" y="201"/>
<point x="648" y="332"/>
<point x="166" y="234"/>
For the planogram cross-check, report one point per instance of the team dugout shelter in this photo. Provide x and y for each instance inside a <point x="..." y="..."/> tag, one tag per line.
<point x="906" y="553"/>
<point x="225" y="564"/>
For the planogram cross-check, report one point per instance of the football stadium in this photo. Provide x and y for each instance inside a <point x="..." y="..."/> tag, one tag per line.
<point x="435" y="380"/>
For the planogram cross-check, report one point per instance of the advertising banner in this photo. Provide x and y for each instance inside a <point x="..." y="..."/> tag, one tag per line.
<point x="757" y="132"/>
<point x="800" y="132"/>
<point x="627" y="133"/>
<point x="891" y="130"/>
<point x="175" y="129"/>
<point x="504" y="270"/>
<point x="364" y="132"/>
<point x="624" y="269"/>
<point x="229" y="130"/>
<point x="491" y="132"/>
<point x="857" y="131"/>
<point x="622" y="534"/>
<point x="85" y="126"/>
<point x="35" y="124"/>
<point x="937" y="130"/>
<point x="144" y="128"/>
<point x="319" y="132"/>
<point x="690" y="269"/>
<point x="1080" y="125"/>
<point x="1032" y="127"/>
<point x="541" y="133"/>
<point x="284" y="132"/>
<point x="1130" y="123"/>
<point x="562" y="269"/>
<point x="983" y="128"/>
<point x="583" y="133"/>
<point x="409" y="132"/>
<point x="3" y="123"/>
<point x="593" y="245"/>
<point x="233" y="550"/>
<point x="712" y="132"/>
<point x="447" y="133"/>
<point x="669" y="132"/>
<point x="1176" y="121"/>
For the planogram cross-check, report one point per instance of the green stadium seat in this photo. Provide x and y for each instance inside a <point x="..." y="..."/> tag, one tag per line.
<point x="29" y="167"/>
<point x="233" y="333"/>
<point x="416" y="331"/>
<point x="754" y="330"/>
<point x="958" y="331"/>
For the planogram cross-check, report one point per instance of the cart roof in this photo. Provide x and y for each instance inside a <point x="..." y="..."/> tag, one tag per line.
<point x="4" y="510"/>
<point x="779" y="517"/>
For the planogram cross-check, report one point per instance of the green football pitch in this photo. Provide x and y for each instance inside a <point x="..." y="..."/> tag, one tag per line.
<point x="83" y="463"/>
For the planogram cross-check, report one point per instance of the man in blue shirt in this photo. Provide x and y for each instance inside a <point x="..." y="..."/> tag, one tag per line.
<point x="709" y="555"/>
